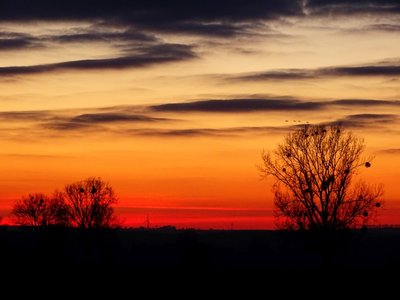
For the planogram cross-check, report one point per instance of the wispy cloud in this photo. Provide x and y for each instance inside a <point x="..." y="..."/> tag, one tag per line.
<point x="128" y="121"/>
<point x="10" y="116"/>
<point x="266" y="104"/>
<point x="206" y="17"/>
<point x="113" y="118"/>
<point x="364" y="102"/>
<point x="238" y="105"/>
<point x="144" y="56"/>
<point x="207" y="132"/>
<point x="381" y="69"/>
<point x="97" y="121"/>
<point x="346" y="7"/>
<point x="368" y="120"/>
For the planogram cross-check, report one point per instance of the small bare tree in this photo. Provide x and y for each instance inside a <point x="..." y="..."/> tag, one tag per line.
<point x="90" y="203"/>
<point x="314" y="170"/>
<point x="40" y="210"/>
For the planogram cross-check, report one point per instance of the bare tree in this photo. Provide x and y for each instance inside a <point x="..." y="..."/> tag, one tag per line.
<point x="90" y="203"/>
<point x="59" y="210"/>
<point x="314" y="170"/>
<point x="40" y="210"/>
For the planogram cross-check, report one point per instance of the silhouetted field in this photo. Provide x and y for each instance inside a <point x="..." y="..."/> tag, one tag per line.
<point x="54" y="249"/>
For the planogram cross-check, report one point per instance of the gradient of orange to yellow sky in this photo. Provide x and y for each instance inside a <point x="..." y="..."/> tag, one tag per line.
<point x="173" y="103"/>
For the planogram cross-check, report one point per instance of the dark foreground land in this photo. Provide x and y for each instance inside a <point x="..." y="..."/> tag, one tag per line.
<point x="54" y="249"/>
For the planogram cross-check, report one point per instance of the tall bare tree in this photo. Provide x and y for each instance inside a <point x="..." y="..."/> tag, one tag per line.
<point x="314" y="170"/>
<point x="90" y="203"/>
<point x="40" y="210"/>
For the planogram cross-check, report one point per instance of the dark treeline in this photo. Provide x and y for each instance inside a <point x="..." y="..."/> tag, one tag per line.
<point x="84" y="204"/>
<point x="61" y="249"/>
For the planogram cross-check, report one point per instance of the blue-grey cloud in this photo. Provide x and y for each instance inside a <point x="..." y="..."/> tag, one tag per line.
<point x="147" y="10"/>
<point x="128" y="35"/>
<point x="207" y="132"/>
<point x="277" y="104"/>
<point x="222" y="18"/>
<point x="97" y="121"/>
<point x="130" y="121"/>
<point x="383" y="69"/>
<point x="238" y="105"/>
<point x="205" y="17"/>
<point x="116" y="37"/>
<point x="144" y="56"/>
<point x="383" y="27"/>
<point x="10" y="116"/>
<point x="346" y="7"/>
<point x="372" y="121"/>
<point x="94" y="118"/>
<point x="364" y="102"/>
<point x="15" y="44"/>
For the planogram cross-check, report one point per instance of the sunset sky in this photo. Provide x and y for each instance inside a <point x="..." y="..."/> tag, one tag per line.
<point x="172" y="102"/>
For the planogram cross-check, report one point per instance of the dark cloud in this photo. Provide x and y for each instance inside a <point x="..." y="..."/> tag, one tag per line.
<point x="118" y="38"/>
<point x="382" y="69"/>
<point x="156" y="13"/>
<point x="368" y="120"/>
<point x="364" y="102"/>
<point x="129" y="121"/>
<point x="238" y="105"/>
<point x="144" y="56"/>
<point x="17" y="41"/>
<point x="383" y="27"/>
<point x="334" y="7"/>
<point x="221" y="18"/>
<point x="289" y="74"/>
<point x="147" y="11"/>
<point x="97" y="121"/>
<point x="198" y="28"/>
<point x="69" y="126"/>
<point x="205" y="17"/>
<point x="10" y="116"/>
<point x="15" y="44"/>
<point x="371" y="70"/>
<point x="101" y="36"/>
<point x="113" y="118"/>
<point x="258" y="104"/>
<point x="207" y="132"/>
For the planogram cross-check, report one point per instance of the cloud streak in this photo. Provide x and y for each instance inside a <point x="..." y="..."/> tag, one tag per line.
<point x="152" y="14"/>
<point x="98" y="121"/>
<point x="206" y="132"/>
<point x="113" y="118"/>
<point x="368" y="120"/>
<point x="351" y="7"/>
<point x="383" y="70"/>
<point x="146" y="56"/>
<point x="273" y="104"/>
<point x="130" y="121"/>
<point x="15" y="116"/>
<point x="238" y="105"/>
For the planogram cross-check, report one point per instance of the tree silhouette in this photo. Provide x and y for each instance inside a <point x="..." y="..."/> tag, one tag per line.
<point x="40" y="210"/>
<point x="314" y="170"/>
<point x="90" y="203"/>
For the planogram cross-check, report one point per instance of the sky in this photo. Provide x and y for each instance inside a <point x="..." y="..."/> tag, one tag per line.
<point x="172" y="102"/>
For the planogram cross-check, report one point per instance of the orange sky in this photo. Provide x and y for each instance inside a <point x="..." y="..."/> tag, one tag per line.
<point x="174" y="110"/>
